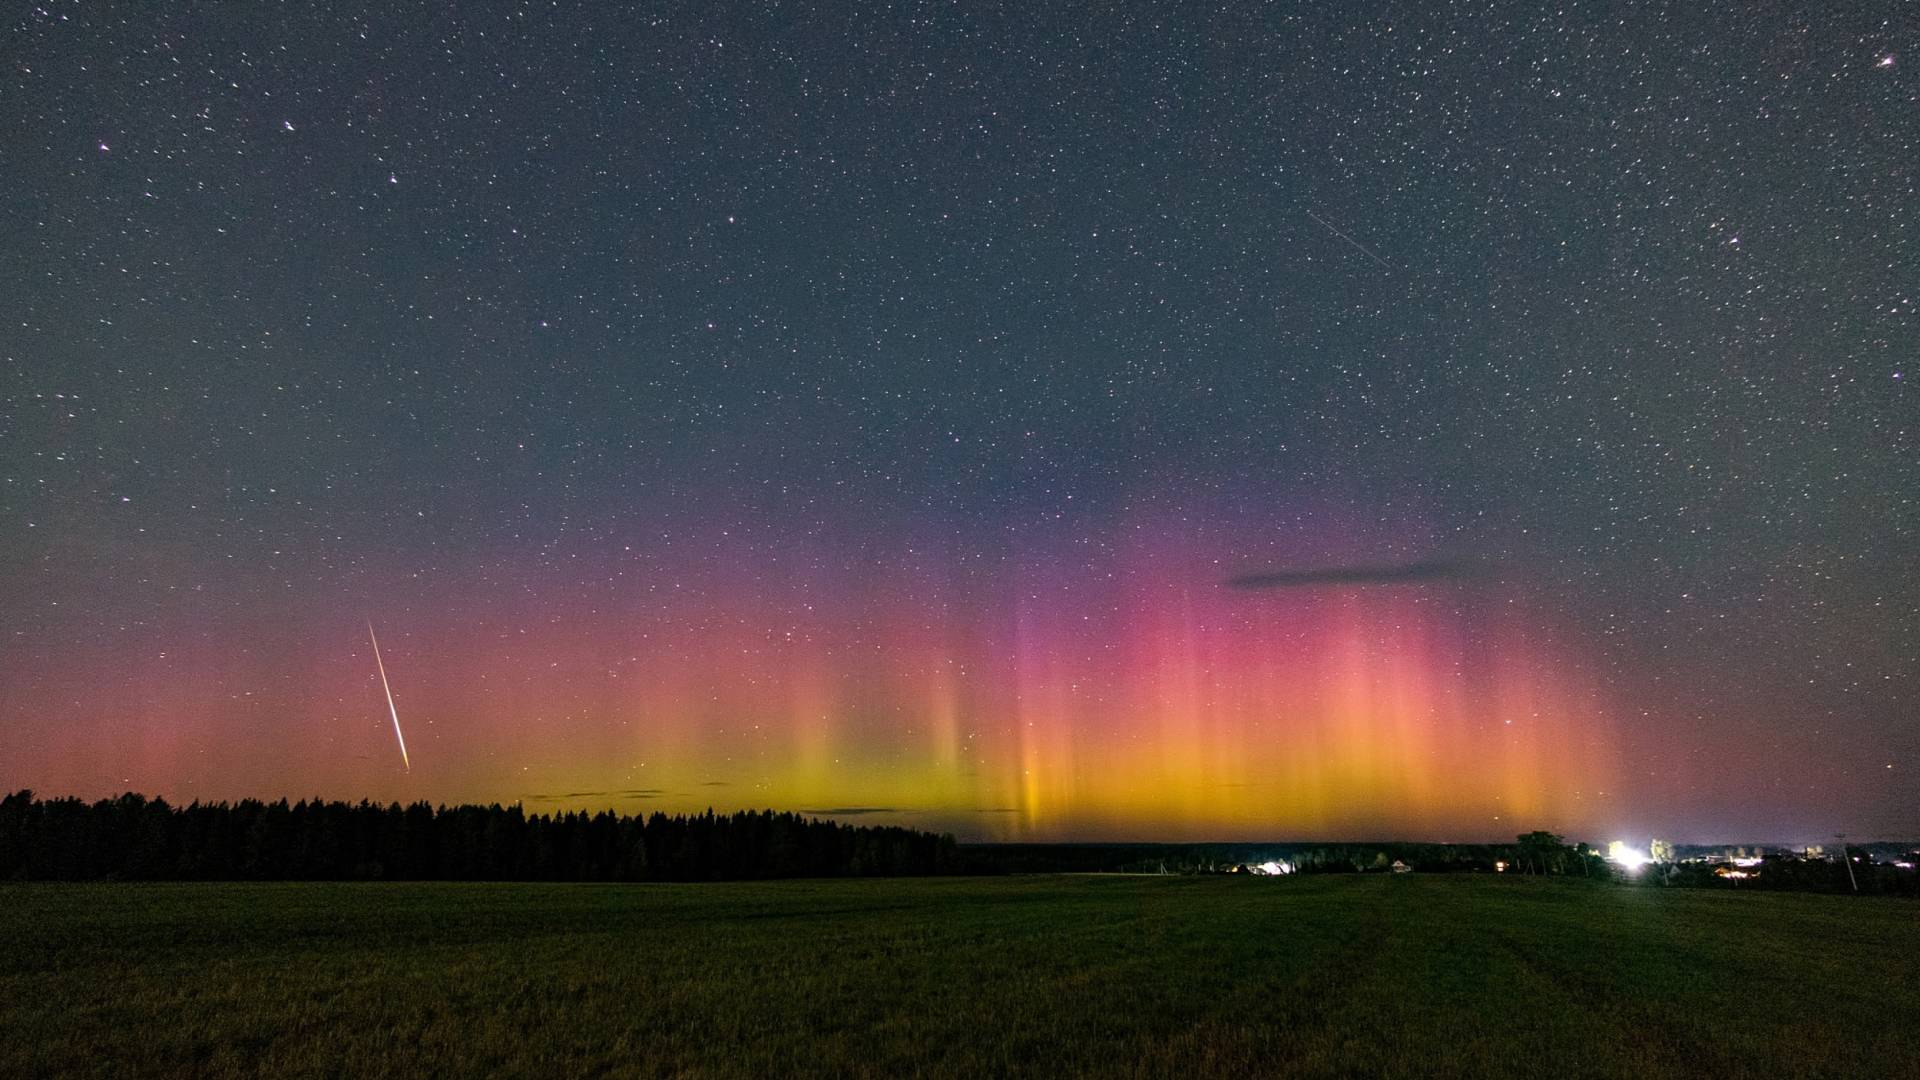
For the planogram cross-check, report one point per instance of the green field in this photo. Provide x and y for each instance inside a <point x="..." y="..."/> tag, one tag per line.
<point x="1407" y="976"/>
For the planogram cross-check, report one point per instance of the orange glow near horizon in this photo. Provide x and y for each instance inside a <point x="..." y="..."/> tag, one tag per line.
<point x="1116" y="700"/>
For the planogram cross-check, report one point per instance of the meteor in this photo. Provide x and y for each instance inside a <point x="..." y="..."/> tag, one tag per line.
<point x="1358" y="246"/>
<point x="390" y="709"/>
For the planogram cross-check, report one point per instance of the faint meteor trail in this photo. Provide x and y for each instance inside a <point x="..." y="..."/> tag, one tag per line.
<point x="390" y="709"/>
<point x="1357" y="244"/>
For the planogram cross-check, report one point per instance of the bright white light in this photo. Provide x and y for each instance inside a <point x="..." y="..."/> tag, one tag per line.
<point x="1272" y="868"/>
<point x="1628" y="859"/>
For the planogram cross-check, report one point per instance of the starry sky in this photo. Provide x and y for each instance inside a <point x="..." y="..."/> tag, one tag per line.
<point x="1099" y="421"/>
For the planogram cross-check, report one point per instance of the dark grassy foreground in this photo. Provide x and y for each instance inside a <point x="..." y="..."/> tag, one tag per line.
<point x="1410" y="976"/>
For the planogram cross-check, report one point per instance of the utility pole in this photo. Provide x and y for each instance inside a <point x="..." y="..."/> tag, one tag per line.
<point x="1845" y="858"/>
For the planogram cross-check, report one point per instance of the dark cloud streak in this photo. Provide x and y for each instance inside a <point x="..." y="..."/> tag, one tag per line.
<point x="629" y="793"/>
<point x="1403" y="574"/>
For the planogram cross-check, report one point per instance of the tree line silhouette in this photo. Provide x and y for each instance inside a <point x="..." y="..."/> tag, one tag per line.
<point x="136" y="838"/>
<point x="133" y="838"/>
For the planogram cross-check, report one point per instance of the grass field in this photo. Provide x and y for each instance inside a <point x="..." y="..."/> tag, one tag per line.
<point x="1405" y="976"/>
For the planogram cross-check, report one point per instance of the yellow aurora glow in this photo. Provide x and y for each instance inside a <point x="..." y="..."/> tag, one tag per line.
<point x="1367" y="712"/>
<point x="1146" y="706"/>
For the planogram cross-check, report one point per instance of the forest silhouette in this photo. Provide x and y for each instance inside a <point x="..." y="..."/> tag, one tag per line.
<point x="133" y="837"/>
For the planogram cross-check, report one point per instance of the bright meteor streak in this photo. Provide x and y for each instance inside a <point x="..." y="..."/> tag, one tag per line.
<point x="390" y="709"/>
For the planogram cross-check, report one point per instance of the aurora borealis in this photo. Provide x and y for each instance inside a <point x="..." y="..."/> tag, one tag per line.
<point x="1120" y="697"/>
<point x="981" y="420"/>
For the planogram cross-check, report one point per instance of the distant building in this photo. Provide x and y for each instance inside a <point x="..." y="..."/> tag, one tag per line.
<point x="1400" y="867"/>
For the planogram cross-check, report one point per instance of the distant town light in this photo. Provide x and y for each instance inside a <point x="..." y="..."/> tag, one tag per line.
<point x="1272" y="868"/>
<point x="1627" y="858"/>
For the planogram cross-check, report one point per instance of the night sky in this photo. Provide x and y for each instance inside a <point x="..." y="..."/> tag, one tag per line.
<point x="1104" y="422"/>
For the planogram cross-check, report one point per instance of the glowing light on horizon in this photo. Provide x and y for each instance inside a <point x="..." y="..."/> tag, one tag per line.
<point x="1630" y="859"/>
